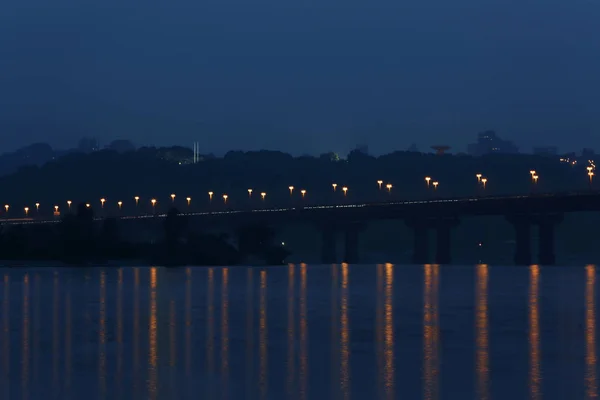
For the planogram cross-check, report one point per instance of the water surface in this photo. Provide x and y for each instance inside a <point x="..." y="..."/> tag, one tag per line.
<point x="299" y="332"/>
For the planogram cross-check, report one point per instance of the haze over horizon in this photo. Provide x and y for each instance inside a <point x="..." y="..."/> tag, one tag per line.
<point x="300" y="77"/>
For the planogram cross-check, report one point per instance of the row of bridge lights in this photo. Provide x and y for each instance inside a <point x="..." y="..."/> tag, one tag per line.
<point x="480" y="179"/>
<point x="225" y="196"/>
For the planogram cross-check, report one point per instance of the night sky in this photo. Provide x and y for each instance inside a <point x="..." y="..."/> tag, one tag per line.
<point x="303" y="76"/>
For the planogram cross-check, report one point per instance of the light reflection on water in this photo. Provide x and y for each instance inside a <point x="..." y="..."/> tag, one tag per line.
<point x="153" y="333"/>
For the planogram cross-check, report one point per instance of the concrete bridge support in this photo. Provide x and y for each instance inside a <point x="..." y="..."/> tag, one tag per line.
<point x="522" y="226"/>
<point x="443" y="228"/>
<point x="546" y="225"/>
<point x="352" y="242"/>
<point x="328" y="245"/>
<point x="420" y="244"/>
<point x="443" y="254"/>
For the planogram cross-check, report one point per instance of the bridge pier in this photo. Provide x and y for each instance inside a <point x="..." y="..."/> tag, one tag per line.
<point x="443" y="228"/>
<point x="546" y="225"/>
<point x="522" y="226"/>
<point x="442" y="251"/>
<point x="351" y="242"/>
<point x="328" y="245"/>
<point x="420" y="244"/>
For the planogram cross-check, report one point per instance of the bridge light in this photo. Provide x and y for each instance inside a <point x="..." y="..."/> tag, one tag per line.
<point x="26" y="211"/>
<point x="589" y="168"/>
<point x="345" y="189"/>
<point x="478" y="177"/>
<point x="55" y="208"/>
<point x="303" y="192"/>
<point x="249" y="192"/>
<point x="291" y="190"/>
<point x="435" y="185"/>
<point x="69" y="202"/>
<point x="427" y="179"/>
<point x="334" y="186"/>
<point x="189" y="201"/>
<point x="389" y="187"/>
<point x="263" y="195"/>
<point x="120" y="204"/>
<point x="210" y="195"/>
<point x="6" y="207"/>
<point x="153" y="201"/>
<point x="102" y="201"/>
<point x="379" y="183"/>
<point x="225" y="197"/>
<point x="37" y="206"/>
<point x="173" y="197"/>
<point x="137" y="200"/>
<point x="484" y="181"/>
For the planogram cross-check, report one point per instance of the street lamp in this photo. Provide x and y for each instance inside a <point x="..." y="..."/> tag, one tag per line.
<point x="303" y="192"/>
<point x="137" y="200"/>
<point x="87" y="205"/>
<point x="263" y="195"/>
<point x="249" y="193"/>
<point x="345" y="189"/>
<point x="379" y="183"/>
<point x="478" y="177"/>
<point x="173" y="197"/>
<point x="153" y="201"/>
<point x="435" y="185"/>
<point x="120" y="204"/>
<point x="6" y="207"/>
<point x="291" y="190"/>
<point x="533" y="175"/>
<point x="56" y="209"/>
<point x="389" y="187"/>
<point x="37" y="206"/>
<point x="225" y="198"/>
<point x="189" y="201"/>
<point x="591" y="175"/>
<point x="334" y="186"/>
<point x="427" y="179"/>
<point x="102" y="201"/>
<point x="26" y="211"/>
<point x="484" y="181"/>
<point x="535" y="178"/>
<point x="69" y="202"/>
<point x="210" y="195"/>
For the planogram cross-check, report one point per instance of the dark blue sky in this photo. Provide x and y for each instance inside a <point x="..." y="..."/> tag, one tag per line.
<point x="302" y="76"/>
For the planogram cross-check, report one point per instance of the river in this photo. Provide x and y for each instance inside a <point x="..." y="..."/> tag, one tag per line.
<point x="299" y="332"/>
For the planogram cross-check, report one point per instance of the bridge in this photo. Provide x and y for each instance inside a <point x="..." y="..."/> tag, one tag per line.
<point x="543" y="211"/>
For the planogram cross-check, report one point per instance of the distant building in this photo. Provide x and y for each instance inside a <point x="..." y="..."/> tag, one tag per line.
<point x="545" y="151"/>
<point x="588" y="154"/>
<point x="490" y="143"/>
<point x="88" y="145"/>
<point x="121" y="146"/>
<point x="413" y="148"/>
<point x="440" y="149"/>
<point x="362" y="148"/>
